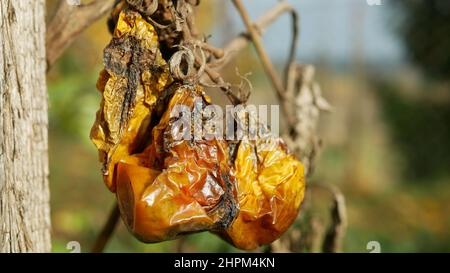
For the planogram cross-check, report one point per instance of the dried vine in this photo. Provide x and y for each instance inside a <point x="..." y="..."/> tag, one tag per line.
<point x="68" y="22"/>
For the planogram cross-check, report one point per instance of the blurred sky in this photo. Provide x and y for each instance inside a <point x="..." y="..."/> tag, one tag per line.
<point x="331" y="29"/>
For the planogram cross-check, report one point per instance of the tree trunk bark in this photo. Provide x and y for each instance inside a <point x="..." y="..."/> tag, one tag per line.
<point x="24" y="192"/>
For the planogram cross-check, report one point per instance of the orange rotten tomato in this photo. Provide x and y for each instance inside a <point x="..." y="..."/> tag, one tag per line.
<point x="177" y="186"/>
<point x="248" y="193"/>
<point x="164" y="187"/>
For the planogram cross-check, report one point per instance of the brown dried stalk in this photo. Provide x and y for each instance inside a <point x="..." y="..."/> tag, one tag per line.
<point x="306" y="103"/>
<point x="256" y="38"/>
<point x="267" y="64"/>
<point x="107" y="230"/>
<point x="300" y="97"/>
<point x="335" y="234"/>
<point x="270" y="16"/>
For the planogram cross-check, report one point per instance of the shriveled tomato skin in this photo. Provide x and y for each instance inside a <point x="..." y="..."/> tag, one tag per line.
<point x="167" y="187"/>
<point x="271" y="187"/>
<point x="164" y="187"/>
<point x="176" y="186"/>
<point x="134" y="77"/>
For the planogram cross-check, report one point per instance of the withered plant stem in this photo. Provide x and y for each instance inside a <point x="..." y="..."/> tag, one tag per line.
<point x="107" y="230"/>
<point x="69" y="22"/>
<point x="266" y="62"/>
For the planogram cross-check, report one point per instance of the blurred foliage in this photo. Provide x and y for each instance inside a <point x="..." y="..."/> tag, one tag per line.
<point x="420" y="129"/>
<point x="425" y="29"/>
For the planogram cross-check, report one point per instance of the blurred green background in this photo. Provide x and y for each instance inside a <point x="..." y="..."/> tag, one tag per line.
<point x="385" y="69"/>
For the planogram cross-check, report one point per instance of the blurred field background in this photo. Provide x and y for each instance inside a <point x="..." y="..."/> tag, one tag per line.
<point x="385" y="70"/>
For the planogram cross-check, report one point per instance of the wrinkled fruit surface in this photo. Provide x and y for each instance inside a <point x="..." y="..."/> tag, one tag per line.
<point x="271" y="187"/>
<point x="177" y="186"/>
<point x="247" y="192"/>
<point x="134" y="77"/>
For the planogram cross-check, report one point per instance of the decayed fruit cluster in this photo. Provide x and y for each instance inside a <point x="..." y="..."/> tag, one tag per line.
<point x="248" y="193"/>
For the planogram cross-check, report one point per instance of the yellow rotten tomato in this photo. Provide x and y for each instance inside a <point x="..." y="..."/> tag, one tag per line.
<point x="271" y="187"/>
<point x="176" y="186"/>
<point x="135" y="75"/>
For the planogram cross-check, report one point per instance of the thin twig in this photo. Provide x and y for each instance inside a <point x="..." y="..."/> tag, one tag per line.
<point x="257" y="41"/>
<point x="180" y="244"/>
<point x="267" y="64"/>
<point x="241" y="41"/>
<point x="290" y="69"/>
<point x="335" y="234"/>
<point x="68" y="22"/>
<point x="107" y="230"/>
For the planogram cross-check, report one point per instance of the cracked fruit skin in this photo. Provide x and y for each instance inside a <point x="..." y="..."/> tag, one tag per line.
<point x="135" y="75"/>
<point x="271" y="187"/>
<point x="176" y="187"/>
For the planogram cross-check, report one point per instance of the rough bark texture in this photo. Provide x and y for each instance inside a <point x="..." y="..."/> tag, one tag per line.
<point x="24" y="193"/>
